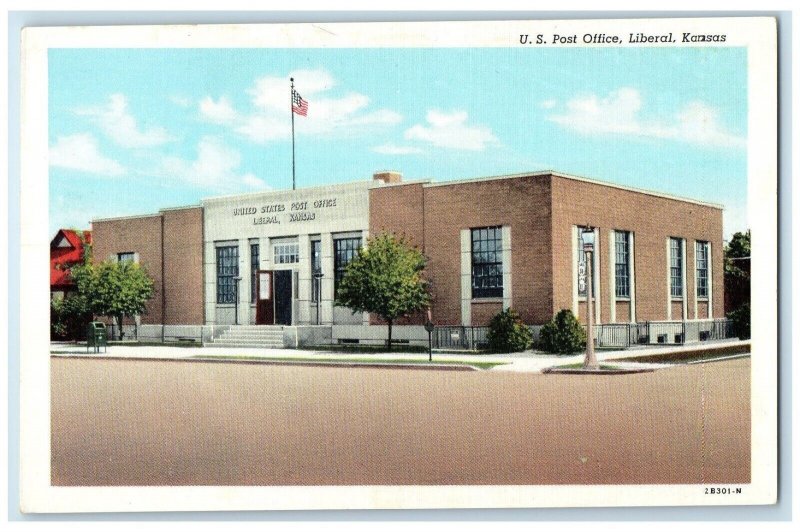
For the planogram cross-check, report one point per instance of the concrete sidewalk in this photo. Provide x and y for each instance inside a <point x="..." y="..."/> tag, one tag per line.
<point x="526" y="362"/>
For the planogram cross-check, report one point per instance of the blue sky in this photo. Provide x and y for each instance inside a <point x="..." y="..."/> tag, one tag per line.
<point x="133" y="131"/>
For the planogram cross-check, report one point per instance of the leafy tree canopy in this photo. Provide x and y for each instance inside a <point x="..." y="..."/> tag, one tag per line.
<point x="114" y="289"/>
<point x="739" y="245"/>
<point x="385" y="278"/>
<point x="737" y="255"/>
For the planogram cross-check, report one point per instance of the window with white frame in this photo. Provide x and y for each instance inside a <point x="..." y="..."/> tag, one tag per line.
<point x="487" y="262"/>
<point x="316" y="269"/>
<point x="344" y="251"/>
<point x="286" y="253"/>
<point x="622" y="263"/>
<point x="254" y="267"/>
<point x="227" y="272"/>
<point x="701" y="259"/>
<point x="127" y="256"/>
<point x="675" y="268"/>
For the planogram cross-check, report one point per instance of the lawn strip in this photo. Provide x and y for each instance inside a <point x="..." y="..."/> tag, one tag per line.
<point x="345" y="360"/>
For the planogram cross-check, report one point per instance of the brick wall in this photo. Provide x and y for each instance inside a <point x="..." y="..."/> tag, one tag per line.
<point x="181" y="281"/>
<point x="140" y="235"/>
<point x="541" y="211"/>
<point x="183" y="266"/>
<point x="398" y="209"/>
<point x="520" y="203"/>
<point x="652" y="219"/>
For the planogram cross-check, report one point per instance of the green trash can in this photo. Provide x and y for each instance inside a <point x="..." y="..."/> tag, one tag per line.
<point x="96" y="336"/>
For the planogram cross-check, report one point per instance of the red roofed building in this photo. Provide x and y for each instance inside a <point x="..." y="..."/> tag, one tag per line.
<point x="66" y="249"/>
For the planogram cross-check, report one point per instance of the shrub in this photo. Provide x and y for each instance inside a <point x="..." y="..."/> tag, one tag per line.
<point x="563" y="334"/>
<point x="741" y="321"/>
<point x="69" y="317"/>
<point x="507" y="333"/>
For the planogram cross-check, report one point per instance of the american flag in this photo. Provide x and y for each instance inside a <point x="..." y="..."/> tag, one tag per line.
<point x="299" y="105"/>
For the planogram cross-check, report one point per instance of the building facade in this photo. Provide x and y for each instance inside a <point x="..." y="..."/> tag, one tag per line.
<point x="274" y="258"/>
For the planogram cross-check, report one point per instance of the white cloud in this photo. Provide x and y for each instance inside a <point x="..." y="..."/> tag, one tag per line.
<point x="547" y="104"/>
<point x="262" y="128"/>
<point x="271" y="92"/>
<point x="394" y="149"/>
<point x="216" y="167"/>
<point x="118" y="124"/>
<point x="180" y="101"/>
<point x="619" y="113"/>
<point x="268" y="117"/>
<point x="254" y="182"/>
<point x="81" y="152"/>
<point x="220" y="112"/>
<point x="699" y="123"/>
<point x="450" y="130"/>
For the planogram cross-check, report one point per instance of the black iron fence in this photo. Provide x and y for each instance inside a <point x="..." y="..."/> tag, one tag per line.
<point x="189" y="334"/>
<point x="622" y="335"/>
<point x="458" y="337"/>
<point x="661" y="332"/>
<point x="610" y="335"/>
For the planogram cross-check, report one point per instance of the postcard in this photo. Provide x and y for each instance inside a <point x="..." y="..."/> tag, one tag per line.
<point x="488" y="264"/>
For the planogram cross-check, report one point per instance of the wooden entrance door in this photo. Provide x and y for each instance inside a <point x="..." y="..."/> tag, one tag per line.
<point x="265" y="302"/>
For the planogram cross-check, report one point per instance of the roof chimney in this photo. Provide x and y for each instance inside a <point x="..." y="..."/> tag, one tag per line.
<point x="388" y="176"/>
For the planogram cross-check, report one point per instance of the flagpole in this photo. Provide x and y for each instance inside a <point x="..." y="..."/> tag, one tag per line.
<point x="291" y="112"/>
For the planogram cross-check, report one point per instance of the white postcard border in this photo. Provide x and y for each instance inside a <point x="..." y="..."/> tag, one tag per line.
<point x="758" y="34"/>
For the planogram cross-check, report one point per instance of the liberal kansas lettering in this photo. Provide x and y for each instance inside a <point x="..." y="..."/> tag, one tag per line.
<point x="299" y="211"/>
<point x="264" y="220"/>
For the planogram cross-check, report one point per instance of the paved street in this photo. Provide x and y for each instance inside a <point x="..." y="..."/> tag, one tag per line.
<point x="159" y="422"/>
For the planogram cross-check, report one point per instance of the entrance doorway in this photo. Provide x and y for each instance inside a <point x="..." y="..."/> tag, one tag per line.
<point x="283" y="297"/>
<point x="274" y="304"/>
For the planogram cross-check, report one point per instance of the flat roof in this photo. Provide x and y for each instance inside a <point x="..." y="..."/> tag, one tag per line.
<point x="150" y="215"/>
<point x="364" y="183"/>
<point x="577" y="178"/>
<point x="426" y="182"/>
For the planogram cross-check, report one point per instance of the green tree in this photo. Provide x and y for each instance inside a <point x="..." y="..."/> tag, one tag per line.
<point x="738" y="246"/>
<point x="740" y="322"/>
<point x="385" y="278"/>
<point x="114" y="289"/>
<point x="737" y="274"/>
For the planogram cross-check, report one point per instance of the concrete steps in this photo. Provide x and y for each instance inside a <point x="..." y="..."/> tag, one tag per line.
<point x="264" y="336"/>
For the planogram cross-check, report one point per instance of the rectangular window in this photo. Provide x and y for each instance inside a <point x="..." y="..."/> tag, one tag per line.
<point x="254" y="267"/>
<point x="583" y="268"/>
<point x="286" y="253"/>
<point x="622" y="263"/>
<point x="128" y="256"/>
<point x="675" y="267"/>
<point x="487" y="262"/>
<point x="701" y="254"/>
<point x="227" y="272"/>
<point x="316" y="269"/>
<point x="344" y="249"/>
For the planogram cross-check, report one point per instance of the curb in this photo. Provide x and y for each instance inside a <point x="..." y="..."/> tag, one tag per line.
<point x="580" y="371"/>
<point x="717" y="359"/>
<point x="266" y="361"/>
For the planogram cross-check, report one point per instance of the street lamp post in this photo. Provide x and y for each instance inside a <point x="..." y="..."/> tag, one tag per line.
<point x="588" y="250"/>
<point x="236" y="301"/>
<point x="317" y="292"/>
<point x="429" y="328"/>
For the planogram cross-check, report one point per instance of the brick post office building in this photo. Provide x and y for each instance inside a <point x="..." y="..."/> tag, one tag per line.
<point x="275" y="258"/>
